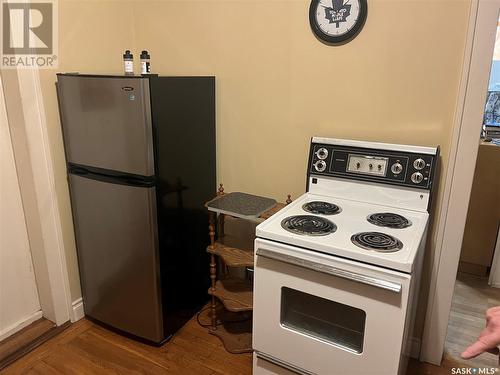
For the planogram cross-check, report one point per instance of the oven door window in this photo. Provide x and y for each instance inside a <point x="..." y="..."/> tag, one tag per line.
<point x="326" y="320"/>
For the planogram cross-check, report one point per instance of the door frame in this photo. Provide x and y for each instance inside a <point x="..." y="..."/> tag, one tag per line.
<point x="480" y="41"/>
<point x="494" y="279"/>
<point x="32" y="153"/>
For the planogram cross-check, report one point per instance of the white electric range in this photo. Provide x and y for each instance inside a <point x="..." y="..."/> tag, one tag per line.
<point x="337" y="271"/>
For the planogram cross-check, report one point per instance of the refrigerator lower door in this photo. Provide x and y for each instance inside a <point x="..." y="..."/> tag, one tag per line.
<point x="116" y="235"/>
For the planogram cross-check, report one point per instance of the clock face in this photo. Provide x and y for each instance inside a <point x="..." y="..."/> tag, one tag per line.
<point x="336" y="21"/>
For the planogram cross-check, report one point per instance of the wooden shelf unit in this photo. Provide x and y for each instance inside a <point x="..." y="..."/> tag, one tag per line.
<point x="235" y="246"/>
<point x="235" y="249"/>
<point x="236" y="336"/>
<point x="235" y="294"/>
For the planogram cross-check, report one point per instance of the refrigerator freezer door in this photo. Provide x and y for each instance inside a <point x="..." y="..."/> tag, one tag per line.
<point x="106" y="122"/>
<point x="116" y="234"/>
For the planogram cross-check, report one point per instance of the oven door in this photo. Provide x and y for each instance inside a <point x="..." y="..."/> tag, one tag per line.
<point x="315" y="313"/>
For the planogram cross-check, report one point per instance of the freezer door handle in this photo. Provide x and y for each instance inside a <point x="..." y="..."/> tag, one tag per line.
<point x="115" y="177"/>
<point x="330" y="270"/>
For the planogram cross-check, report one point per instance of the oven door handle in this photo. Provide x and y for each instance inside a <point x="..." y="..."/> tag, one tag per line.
<point x="330" y="270"/>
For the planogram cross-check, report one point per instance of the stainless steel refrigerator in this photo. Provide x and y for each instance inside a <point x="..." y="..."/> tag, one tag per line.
<point x="140" y="155"/>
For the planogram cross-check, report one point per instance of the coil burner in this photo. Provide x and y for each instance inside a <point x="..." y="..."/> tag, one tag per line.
<point x="389" y="220"/>
<point x="377" y="241"/>
<point x="321" y="208"/>
<point x="309" y="225"/>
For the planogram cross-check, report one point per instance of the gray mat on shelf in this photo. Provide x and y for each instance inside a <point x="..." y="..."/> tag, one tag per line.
<point x="241" y="204"/>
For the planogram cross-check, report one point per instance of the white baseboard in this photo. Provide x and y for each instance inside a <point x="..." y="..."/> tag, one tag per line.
<point x="77" y="312"/>
<point x="415" y="348"/>
<point x="16" y="327"/>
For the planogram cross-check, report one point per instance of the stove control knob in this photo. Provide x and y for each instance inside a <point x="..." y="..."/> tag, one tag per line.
<point x="322" y="153"/>
<point x="417" y="177"/>
<point x="320" y="165"/>
<point x="397" y="168"/>
<point x="419" y="164"/>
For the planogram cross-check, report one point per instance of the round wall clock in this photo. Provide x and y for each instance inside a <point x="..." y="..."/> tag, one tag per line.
<point x="337" y="21"/>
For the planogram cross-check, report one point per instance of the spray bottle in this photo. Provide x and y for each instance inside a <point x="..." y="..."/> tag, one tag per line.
<point x="128" y="62"/>
<point x="145" y="63"/>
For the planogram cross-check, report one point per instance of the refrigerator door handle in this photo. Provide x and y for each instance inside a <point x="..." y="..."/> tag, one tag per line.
<point x="113" y="177"/>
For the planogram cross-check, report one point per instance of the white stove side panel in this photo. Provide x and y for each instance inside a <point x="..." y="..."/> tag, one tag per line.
<point x="409" y="338"/>
<point x="361" y="191"/>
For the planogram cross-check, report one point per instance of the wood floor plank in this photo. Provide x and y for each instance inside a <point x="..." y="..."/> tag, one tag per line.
<point x="66" y="361"/>
<point x="199" y="350"/>
<point x="46" y="348"/>
<point x="146" y="351"/>
<point x="153" y="354"/>
<point x="41" y="368"/>
<point x="112" y="357"/>
<point x="471" y="298"/>
<point x="24" y="337"/>
<point x="419" y="368"/>
<point x="223" y="362"/>
<point x="185" y="360"/>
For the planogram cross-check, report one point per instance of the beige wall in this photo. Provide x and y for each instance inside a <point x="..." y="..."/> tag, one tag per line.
<point x="481" y="226"/>
<point x="18" y="290"/>
<point x="276" y="84"/>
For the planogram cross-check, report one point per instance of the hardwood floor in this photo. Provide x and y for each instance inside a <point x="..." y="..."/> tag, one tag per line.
<point x="25" y="340"/>
<point x="471" y="298"/>
<point x="86" y="348"/>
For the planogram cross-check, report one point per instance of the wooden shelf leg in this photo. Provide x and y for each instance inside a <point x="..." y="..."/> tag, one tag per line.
<point x="221" y="224"/>
<point x="221" y="190"/>
<point x="211" y="229"/>
<point x="213" y="270"/>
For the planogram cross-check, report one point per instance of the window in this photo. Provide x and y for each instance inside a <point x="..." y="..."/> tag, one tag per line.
<point x="491" y="120"/>
<point x="323" y="319"/>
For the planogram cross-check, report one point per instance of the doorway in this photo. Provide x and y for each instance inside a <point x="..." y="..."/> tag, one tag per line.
<point x="469" y="116"/>
<point x="20" y="305"/>
<point x="34" y="289"/>
<point x="477" y="285"/>
<point x="21" y="316"/>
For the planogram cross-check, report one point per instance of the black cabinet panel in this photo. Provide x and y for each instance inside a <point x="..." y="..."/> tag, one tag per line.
<point x="183" y="113"/>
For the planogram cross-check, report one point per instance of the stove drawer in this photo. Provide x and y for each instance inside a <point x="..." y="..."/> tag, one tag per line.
<point x="266" y="365"/>
<point x="327" y="315"/>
